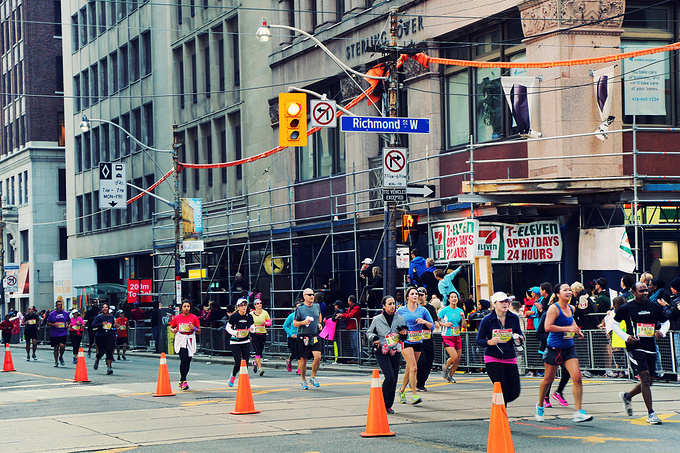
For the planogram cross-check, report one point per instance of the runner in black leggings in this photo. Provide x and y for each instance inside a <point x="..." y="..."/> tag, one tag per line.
<point x="240" y="325"/>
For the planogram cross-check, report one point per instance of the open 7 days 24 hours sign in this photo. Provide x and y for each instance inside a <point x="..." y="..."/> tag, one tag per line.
<point x="505" y="243"/>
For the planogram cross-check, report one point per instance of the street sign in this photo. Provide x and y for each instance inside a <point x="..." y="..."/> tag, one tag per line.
<point x="394" y="194"/>
<point x="323" y="113"/>
<point x="112" y="185"/>
<point x="421" y="190"/>
<point x="395" y="172"/>
<point x="12" y="285"/>
<point x="384" y="124"/>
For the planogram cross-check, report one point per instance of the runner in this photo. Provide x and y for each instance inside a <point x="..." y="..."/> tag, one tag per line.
<point x="58" y="322"/>
<point x="6" y="327"/>
<point x="32" y="324"/>
<point x="122" y="333"/>
<point x="641" y="316"/>
<point x="385" y="332"/>
<point x="291" y="333"/>
<point x="184" y="326"/>
<point x="561" y="328"/>
<point x="307" y="319"/>
<point x="416" y="316"/>
<point x="90" y="314"/>
<point x="452" y="320"/>
<point x="259" y="336"/>
<point x="103" y="325"/>
<point x="240" y="325"/>
<point x="427" y="355"/>
<point x="496" y="332"/>
<point x="75" y="333"/>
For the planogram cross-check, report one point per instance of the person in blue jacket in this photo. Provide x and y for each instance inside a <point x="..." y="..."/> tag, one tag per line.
<point x="498" y="332"/>
<point x="417" y="264"/>
<point x="291" y="333"/>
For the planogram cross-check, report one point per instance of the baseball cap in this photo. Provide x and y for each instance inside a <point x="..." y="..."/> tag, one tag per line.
<point x="241" y="302"/>
<point x="535" y="289"/>
<point x="499" y="297"/>
<point x="367" y="261"/>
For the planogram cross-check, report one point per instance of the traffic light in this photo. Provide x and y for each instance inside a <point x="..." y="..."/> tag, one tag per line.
<point x="293" y="119"/>
<point x="409" y="228"/>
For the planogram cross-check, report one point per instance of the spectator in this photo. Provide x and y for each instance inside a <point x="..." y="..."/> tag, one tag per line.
<point x="585" y="306"/>
<point x="516" y="308"/>
<point x="483" y="309"/>
<point x="445" y="285"/>
<point x="353" y="317"/>
<point x="333" y="293"/>
<point x="427" y="279"/>
<point x="602" y="302"/>
<point x="318" y="299"/>
<point x="6" y="327"/>
<point x="627" y="282"/>
<point x="535" y="293"/>
<point x="657" y="290"/>
<point x="417" y="265"/>
<point x="365" y="273"/>
<point x="375" y="289"/>
<point x="672" y="311"/>
<point x="399" y="298"/>
<point x="646" y="278"/>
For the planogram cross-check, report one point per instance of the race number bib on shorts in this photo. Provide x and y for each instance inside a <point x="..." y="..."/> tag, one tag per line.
<point x="392" y="339"/>
<point x="415" y="336"/>
<point x="568" y="335"/>
<point x="504" y="335"/>
<point x="645" y="330"/>
<point x="310" y="341"/>
<point x="186" y="327"/>
<point x="106" y="325"/>
<point x="76" y="327"/>
<point x="242" y="333"/>
<point x="260" y="329"/>
<point x="427" y="334"/>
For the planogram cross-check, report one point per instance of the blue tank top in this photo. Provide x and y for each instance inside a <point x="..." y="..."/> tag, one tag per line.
<point x="561" y="340"/>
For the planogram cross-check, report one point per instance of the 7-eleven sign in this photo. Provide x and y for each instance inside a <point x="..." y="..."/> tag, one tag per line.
<point x="488" y="241"/>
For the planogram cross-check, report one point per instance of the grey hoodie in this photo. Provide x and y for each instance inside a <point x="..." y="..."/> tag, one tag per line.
<point x="379" y="328"/>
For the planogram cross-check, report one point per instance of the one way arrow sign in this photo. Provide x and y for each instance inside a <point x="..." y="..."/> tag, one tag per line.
<point x="421" y="190"/>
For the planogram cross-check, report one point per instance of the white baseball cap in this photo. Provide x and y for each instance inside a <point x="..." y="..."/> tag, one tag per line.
<point x="499" y="297"/>
<point x="367" y="261"/>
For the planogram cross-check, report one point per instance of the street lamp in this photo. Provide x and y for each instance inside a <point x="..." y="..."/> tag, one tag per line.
<point x="175" y="204"/>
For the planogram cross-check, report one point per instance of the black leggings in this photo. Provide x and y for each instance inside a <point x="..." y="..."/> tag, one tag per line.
<point x="258" y="340"/>
<point x="105" y="345"/>
<point x="389" y="365"/>
<point x="563" y="380"/>
<point x="425" y="362"/>
<point x="75" y="342"/>
<point x="184" y="364"/>
<point x="508" y="375"/>
<point x="239" y="352"/>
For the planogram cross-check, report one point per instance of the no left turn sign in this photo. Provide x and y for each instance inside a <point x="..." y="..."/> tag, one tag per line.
<point x="323" y="113"/>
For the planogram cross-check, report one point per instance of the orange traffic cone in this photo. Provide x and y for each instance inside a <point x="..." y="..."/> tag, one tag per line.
<point x="376" y="421"/>
<point x="81" y="369"/>
<point x="500" y="438"/>
<point x="163" y="388"/>
<point x="244" y="397"/>
<point x="9" y="365"/>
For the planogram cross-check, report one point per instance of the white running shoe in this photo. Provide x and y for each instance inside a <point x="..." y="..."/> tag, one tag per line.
<point x="581" y="416"/>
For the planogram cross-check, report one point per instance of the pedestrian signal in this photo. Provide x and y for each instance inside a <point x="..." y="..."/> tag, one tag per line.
<point x="409" y="228"/>
<point x="293" y="119"/>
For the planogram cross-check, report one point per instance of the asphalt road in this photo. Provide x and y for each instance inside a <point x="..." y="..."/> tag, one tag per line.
<point x="43" y="410"/>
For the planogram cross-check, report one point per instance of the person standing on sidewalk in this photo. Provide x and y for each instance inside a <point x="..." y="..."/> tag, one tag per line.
<point x="307" y="319"/>
<point x="105" y="337"/>
<point x="641" y="316"/>
<point x="417" y="318"/>
<point x="385" y="332"/>
<point x="262" y="320"/>
<point x="58" y="322"/>
<point x="353" y="317"/>
<point x="32" y="324"/>
<point x="239" y="326"/>
<point x="75" y="333"/>
<point x="184" y="326"/>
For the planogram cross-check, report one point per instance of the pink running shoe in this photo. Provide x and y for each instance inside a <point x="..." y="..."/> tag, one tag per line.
<point x="231" y="381"/>
<point x="297" y="371"/>
<point x="289" y="367"/>
<point x="546" y="402"/>
<point x="560" y="399"/>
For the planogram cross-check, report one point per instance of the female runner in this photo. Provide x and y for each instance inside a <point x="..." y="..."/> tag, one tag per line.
<point x="240" y="325"/>
<point x="416" y="316"/>
<point x="452" y="320"/>
<point x="75" y="333"/>
<point x="184" y="326"/>
<point x="259" y="336"/>
<point x="105" y="337"/>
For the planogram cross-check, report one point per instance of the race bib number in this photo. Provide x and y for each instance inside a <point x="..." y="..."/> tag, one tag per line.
<point x="60" y="325"/>
<point x="106" y="325"/>
<point x="568" y="335"/>
<point x="186" y="327"/>
<point x="310" y="341"/>
<point x="455" y="331"/>
<point x="645" y="330"/>
<point x="427" y="334"/>
<point x="504" y="335"/>
<point x="31" y="322"/>
<point x="76" y="327"/>
<point x="415" y="336"/>
<point x="122" y="327"/>
<point x="260" y="329"/>
<point x="392" y="339"/>
<point x="242" y="333"/>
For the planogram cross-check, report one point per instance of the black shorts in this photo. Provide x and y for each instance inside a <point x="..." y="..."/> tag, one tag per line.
<point x="56" y="341"/>
<point x="641" y="361"/>
<point x="30" y="334"/>
<point x="121" y="341"/>
<point x="305" y="350"/>
<point x="557" y="357"/>
<point x="417" y="347"/>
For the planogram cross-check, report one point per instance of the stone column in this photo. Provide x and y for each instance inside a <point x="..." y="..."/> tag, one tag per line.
<point x="286" y="18"/>
<point x="326" y="14"/>
<point x="567" y="103"/>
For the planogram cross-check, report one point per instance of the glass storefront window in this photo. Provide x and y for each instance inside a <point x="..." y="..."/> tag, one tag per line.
<point x="488" y="105"/>
<point x="457" y="109"/>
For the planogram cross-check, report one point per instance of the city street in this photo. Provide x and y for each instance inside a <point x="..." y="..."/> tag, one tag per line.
<point x="41" y="409"/>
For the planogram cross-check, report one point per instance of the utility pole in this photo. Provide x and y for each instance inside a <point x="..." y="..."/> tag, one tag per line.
<point x="3" y="296"/>
<point x="178" y="213"/>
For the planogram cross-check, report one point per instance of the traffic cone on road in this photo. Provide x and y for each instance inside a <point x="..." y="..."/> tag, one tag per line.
<point x="81" y="369"/>
<point x="376" y="421"/>
<point x="244" y="397"/>
<point x="163" y="388"/>
<point x="500" y="438"/>
<point x="9" y="365"/>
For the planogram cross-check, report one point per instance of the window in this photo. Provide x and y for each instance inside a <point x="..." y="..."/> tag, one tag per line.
<point x="25" y="253"/>
<point x="457" y="113"/>
<point x="61" y="184"/>
<point x="236" y="56"/>
<point x="137" y="126"/>
<point x="149" y="202"/>
<point x="57" y="18"/>
<point x="92" y="20"/>
<point x="62" y="129"/>
<point x="86" y="151"/>
<point x="79" y="214"/>
<point x="134" y="60"/>
<point x="102" y="16"/>
<point x="59" y="73"/>
<point x="146" y="53"/>
<point x="87" y="212"/>
<point x="12" y="199"/>
<point x="10" y="250"/>
<point x="179" y="12"/>
<point x="223" y="153"/>
<point x="148" y="124"/>
<point x="25" y="186"/>
<point x="106" y="151"/>
<point x="95" y="147"/>
<point x="75" y="34"/>
<point x="206" y="69"/>
<point x="76" y="93"/>
<point x="207" y="140"/>
<point x="104" y="77"/>
<point x="63" y="240"/>
<point x="116" y="139"/>
<point x="125" y="139"/>
<point x="79" y="153"/>
<point x="220" y="64"/>
<point x="21" y="188"/>
<point x="124" y="65"/>
<point x="113" y="4"/>
<point x="192" y="9"/>
<point x="83" y="27"/>
<point x="85" y="77"/>
<point x="197" y="172"/>
<point x="180" y="73"/>
<point x="94" y="77"/>
<point x="113" y="59"/>
<point x="96" y="212"/>
<point x="194" y="78"/>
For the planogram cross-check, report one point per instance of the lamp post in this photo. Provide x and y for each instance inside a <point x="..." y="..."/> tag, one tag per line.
<point x="175" y="204"/>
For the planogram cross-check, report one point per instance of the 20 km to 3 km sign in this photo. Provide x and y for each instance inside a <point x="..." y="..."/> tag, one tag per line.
<point x="323" y="113"/>
<point x="394" y="167"/>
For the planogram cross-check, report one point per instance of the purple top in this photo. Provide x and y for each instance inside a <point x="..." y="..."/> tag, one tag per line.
<point x="59" y="317"/>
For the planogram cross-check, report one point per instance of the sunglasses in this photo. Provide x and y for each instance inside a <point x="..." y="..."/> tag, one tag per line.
<point x="309" y="294"/>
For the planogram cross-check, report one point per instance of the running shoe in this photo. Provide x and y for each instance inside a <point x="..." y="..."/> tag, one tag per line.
<point x="416" y="399"/>
<point x="96" y="364"/>
<point x="581" y="416"/>
<point x="180" y="385"/>
<point x="75" y="360"/>
<point x="402" y="397"/>
<point x="289" y="367"/>
<point x="254" y="367"/>
<point x="183" y="385"/>
<point x="390" y="410"/>
<point x="297" y="371"/>
<point x="445" y="374"/>
<point x="314" y="382"/>
<point x="56" y="364"/>
<point x="231" y="381"/>
<point x="586" y="374"/>
<point x="451" y="380"/>
<point x="89" y="355"/>
<point x="304" y="386"/>
<point x="530" y="374"/>
<point x="653" y="419"/>
<point x="560" y="399"/>
<point x="34" y="357"/>
<point x="610" y="374"/>
<point x="421" y="389"/>
<point x="61" y="361"/>
<point x="28" y="358"/>
<point x="124" y="358"/>
<point x="546" y="402"/>
<point x="261" y="372"/>
<point x="627" y="403"/>
<point x="539" y="413"/>
<point x="109" y="370"/>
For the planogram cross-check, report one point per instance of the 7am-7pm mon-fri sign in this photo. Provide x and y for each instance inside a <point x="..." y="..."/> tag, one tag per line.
<point x="504" y="243"/>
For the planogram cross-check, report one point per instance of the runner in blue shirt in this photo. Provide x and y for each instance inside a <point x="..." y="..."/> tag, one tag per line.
<point x="452" y="320"/>
<point x="416" y="316"/>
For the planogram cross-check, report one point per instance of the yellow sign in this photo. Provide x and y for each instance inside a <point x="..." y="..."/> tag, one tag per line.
<point x="274" y="264"/>
<point x="198" y="273"/>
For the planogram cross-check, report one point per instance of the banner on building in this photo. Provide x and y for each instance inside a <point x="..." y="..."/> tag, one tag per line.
<point x="520" y="94"/>
<point x="139" y="290"/>
<point x="132" y="290"/>
<point x="645" y="82"/>
<point x="192" y="219"/>
<point x="603" y="80"/>
<point x="603" y="249"/>
<point x="504" y="243"/>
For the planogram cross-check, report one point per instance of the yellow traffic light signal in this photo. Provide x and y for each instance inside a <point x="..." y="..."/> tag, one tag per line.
<point x="409" y="228"/>
<point x="293" y="119"/>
